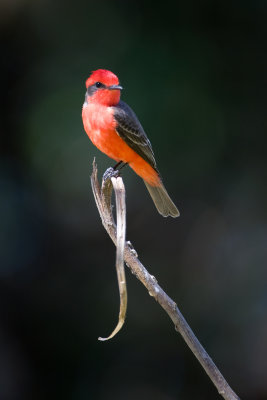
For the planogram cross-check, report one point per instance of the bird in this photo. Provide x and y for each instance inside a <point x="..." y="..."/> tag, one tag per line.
<point x="114" y="129"/>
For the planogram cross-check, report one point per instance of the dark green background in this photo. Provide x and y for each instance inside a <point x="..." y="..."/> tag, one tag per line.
<point x="195" y="73"/>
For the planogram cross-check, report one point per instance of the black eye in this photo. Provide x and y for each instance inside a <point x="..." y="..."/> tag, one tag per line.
<point x="99" y="84"/>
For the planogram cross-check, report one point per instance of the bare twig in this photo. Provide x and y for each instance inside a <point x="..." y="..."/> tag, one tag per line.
<point x="103" y="201"/>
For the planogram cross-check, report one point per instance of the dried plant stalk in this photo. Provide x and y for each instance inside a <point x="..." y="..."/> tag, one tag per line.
<point x="103" y="200"/>
<point x="119" y="190"/>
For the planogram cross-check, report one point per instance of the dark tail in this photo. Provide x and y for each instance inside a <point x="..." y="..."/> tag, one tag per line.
<point x="162" y="200"/>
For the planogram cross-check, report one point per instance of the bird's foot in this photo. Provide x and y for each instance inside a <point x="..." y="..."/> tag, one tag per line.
<point x="109" y="173"/>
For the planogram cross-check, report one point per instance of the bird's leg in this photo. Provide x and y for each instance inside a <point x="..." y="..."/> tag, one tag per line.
<point x="118" y="166"/>
<point x="115" y="171"/>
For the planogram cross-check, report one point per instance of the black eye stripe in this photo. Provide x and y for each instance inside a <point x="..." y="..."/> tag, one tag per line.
<point x="93" y="88"/>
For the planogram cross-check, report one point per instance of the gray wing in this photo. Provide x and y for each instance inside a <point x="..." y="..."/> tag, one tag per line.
<point x="131" y="131"/>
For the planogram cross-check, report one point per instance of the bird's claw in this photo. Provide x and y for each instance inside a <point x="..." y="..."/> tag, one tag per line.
<point x="109" y="173"/>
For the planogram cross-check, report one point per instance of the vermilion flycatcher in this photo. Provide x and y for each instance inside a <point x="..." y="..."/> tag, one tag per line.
<point x="114" y="129"/>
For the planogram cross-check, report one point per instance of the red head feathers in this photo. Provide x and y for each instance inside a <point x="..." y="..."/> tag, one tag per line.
<point x="103" y="88"/>
<point x="103" y="76"/>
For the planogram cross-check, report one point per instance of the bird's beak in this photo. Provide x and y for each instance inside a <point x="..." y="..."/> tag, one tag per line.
<point x="115" y="87"/>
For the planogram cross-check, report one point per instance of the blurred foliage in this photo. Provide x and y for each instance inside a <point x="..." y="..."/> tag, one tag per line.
<point x="194" y="72"/>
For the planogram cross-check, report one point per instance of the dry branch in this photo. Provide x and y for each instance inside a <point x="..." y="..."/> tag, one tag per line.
<point x="103" y="201"/>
